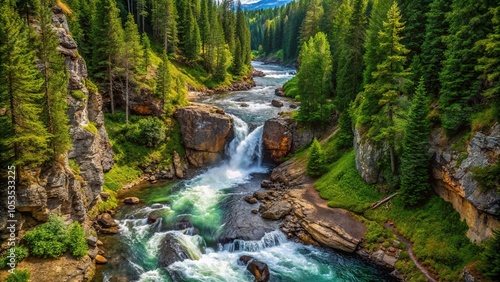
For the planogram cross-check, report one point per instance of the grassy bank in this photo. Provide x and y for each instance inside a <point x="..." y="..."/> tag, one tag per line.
<point x="132" y="155"/>
<point x="435" y="229"/>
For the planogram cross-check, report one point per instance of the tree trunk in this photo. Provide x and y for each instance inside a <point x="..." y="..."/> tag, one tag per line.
<point x="110" y="74"/>
<point x="126" y="84"/>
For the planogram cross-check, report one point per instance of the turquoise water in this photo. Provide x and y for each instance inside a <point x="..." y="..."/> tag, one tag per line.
<point x="191" y="212"/>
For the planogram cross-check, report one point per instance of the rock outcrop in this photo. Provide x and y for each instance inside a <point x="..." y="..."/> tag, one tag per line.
<point x="282" y="136"/>
<point x="59" y="189"/>
<point x="453" y="180"/>
<point x="205" y="131"/>
<point x="173" y="248"/>
<point x="367" y="157"/>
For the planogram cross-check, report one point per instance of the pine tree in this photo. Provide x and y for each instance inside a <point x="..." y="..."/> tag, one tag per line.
<point x="204" y="25"/>
<point x="163" y="83"/>
<point x="164" y="22"/>
<point x="459" y="84"/>
<point x="349" y="73"/>
<point x="55" y="79"/>
<point x="316" y="161"/>
<point x="312" y="21"/>
<point x="107" y="36"/>
<point x="314" y="78"/>
<point x="25" y="139"/>
<point x="491" y="257"/>
<point x="433" y="47"/>
<point x="133" y="58"/>
<point x="379" y="102"/>
<point x="242" y="47"/>
<point x="415" y="158"/>
<point x="146" y="46"/>
<point x="489" y="64"/>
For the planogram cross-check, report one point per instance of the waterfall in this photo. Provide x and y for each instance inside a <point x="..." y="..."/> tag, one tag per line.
<point x="245" y="149"/>
<point x="271" y="239"/>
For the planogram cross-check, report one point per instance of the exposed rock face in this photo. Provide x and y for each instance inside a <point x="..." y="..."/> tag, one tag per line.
<point x="367" y="158"/>
<point x="282" y="136"/>
<point x="56" y="189"/>
<point x="291" y="173"/>
<point x="277" y="210"/>
<point x="454" y="183"/>
<point x="205" y="132"/>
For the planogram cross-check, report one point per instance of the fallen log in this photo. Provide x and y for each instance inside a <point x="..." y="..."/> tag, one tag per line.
<point x="379" y="203"/>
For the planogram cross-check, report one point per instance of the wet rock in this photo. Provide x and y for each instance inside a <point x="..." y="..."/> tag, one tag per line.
<point x="172" y="250"/>
<point x="277" y="210"/>
<point x="100" y="259"/>
<point x="258" y="73"/>
<point x="244" y="105"/>
<point x="266" y="184"/>
<point x="250" y="200"/>
<point x="154" y="216"/>
<point x="105" y="220"/>
<point x="259" y="269"/>
<point x="255" y="211"/>
<point x="293" y="106"/>
<point x="110" y="230"/>
<point x="279" y="92"/>
<point x="93" y="252"/>
<point x="131" y="200"/>
<point x="205" y="131"/>
<point x="277" y="103"/>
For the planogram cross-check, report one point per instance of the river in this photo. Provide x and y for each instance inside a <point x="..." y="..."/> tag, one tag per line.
<point x="208" y="219"/>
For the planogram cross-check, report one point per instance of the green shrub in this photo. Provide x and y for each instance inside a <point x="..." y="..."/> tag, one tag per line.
<point x="49" y="239"/>
<point x="22" y="275"/>
<point x="74" y="166"/>
<point x="20" y="254"/>
<point x="78" y="94"/>
<point x="76" y="240"/>
<point x="488" y="177"/>
<point x="149" y="131"/>
<point x="316" y="161"/>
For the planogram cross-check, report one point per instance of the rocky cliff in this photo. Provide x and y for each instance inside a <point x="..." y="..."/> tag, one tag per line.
<point x="453" y="181"/>
<point x="283" y="135"/>
<point x="205" y="131"/>
<point x="58" y="189"/>
<point x="62" y="189"/>
<point x="451" y="176"/>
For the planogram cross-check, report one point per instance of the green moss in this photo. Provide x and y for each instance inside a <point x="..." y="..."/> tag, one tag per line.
<point x="78" y="94"/>
<point x="91" y="128"/>
<point x="488" y="177"/>
<point x="20" y="252"/>
<point x="91" y="86"/>
<point x="74" y="166"/>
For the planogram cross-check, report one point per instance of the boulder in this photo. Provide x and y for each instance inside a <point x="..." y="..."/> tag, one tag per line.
<point x="205" y="132"/>
<point x="131" y="200"/>
<point x="92" y="241"/>
<point x="105" y="220"/>
<point x="277" y="210"/>
<point x="293" y="106"/>
<point x="279" y="92"/>
<point x="259" y="269"/>
<point x="258" y="73"/>
<point x="277" y="103"/>
<point x="105" y="196"/>
<point x="250" y="200"/>
<point x="100" y="259"/>
<point x="244" y="105"/>
<point x="109" y="230"/>
<point x="172" y="250"/>
<point x="155" y="215"/>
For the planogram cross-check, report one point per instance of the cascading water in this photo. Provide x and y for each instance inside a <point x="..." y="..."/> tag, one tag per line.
<point x="193" y="217"/>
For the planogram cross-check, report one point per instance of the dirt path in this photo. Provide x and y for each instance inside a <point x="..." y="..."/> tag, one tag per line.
<point x="409" y="246"/>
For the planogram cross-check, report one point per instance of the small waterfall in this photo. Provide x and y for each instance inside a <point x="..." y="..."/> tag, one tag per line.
<point x="240" y="133"/>
<point x="271" y="239"/>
